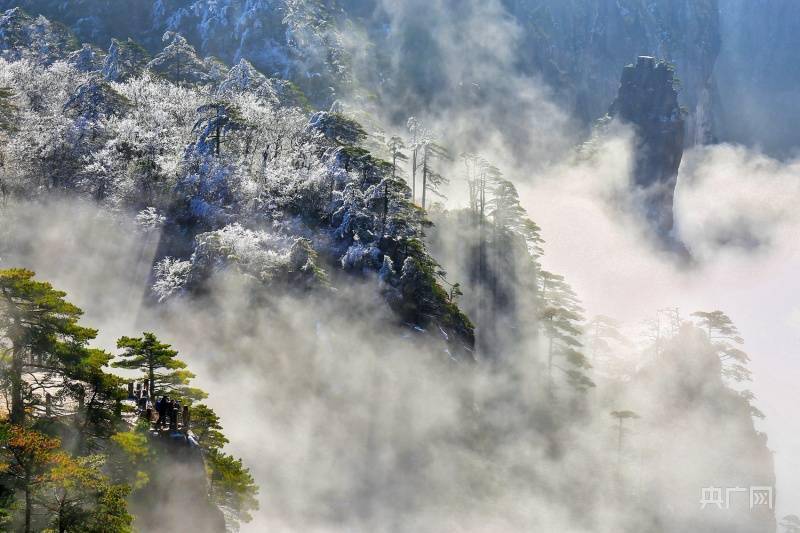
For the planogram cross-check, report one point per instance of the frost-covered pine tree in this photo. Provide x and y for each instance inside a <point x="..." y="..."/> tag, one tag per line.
<point x="178" y="61"/>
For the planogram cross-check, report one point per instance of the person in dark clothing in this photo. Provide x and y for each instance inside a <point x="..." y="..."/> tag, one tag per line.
<point x="173" y="415"/>
<point x="178" y="410"/>
<point x="161" y="408"/>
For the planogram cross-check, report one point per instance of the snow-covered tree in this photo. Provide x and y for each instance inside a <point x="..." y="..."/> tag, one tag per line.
<point x="216" y="121"/>
<point x="125" y="60"/>
<point x="179" y="62"/>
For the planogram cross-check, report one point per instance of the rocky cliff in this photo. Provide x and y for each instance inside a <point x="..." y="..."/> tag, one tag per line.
<point x="177" y="497"/>
<point x="648" y="100"/>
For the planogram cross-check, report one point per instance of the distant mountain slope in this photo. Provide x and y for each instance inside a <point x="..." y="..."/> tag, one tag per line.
<point x="732" y="56"/>
<point x="578" y="47"/>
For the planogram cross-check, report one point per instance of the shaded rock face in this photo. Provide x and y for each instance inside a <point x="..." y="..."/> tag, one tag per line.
<point x="176" y="497"/>
<point x="648" y="101"/>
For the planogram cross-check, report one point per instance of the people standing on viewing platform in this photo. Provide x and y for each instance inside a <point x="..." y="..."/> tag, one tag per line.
<point x="162" y="413"/>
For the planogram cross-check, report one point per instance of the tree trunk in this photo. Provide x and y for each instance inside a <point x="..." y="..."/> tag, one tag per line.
<point x="424" y="183"/>
<point x="152" y="379"/>
<point x="28" y="505"/>
<point x="414" y="176"/>
<point x="385" y="207"/>
<point x="424" y="175"/>
<point x="17" y="384"/>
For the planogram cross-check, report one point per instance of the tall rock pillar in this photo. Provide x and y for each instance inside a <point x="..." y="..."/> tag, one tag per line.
<point x="648" y="101"/>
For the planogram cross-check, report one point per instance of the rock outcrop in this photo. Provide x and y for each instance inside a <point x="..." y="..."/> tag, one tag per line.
<point x="578" y="47"/>
<point x="177" y="495"/>
<point x="697" y="433"/>
<point x="648" y="101"/>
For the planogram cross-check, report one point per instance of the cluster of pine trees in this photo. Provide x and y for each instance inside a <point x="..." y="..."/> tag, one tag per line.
<point x="72" y="452"/>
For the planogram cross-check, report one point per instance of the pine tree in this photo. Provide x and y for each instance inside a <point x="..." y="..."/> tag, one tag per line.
<point x="416" y="131"/>
<point x="505" y="209"/>
<point x="77" y="496"/>
<point x="39" y="331"/>
<point x="125" y="59"/>
<point x="725" y="338"/>
<point x="396" y="148"/>
<point x="95" y="99"/>
<point x="206" y="428"/>
<point x="217" y="119"/>
<point x="28" y="456"/>
<point x="338" y="128"/>
<point x="158" y="362"/>
<point x="560" y="319"/>
<point x="621" y="416"/>
<point x="604" y="342"/>
<point x="72" y="493"/>
<point x="178" y="61"/>
<point x="432" y="180"/>
<point x="232" y="486"/>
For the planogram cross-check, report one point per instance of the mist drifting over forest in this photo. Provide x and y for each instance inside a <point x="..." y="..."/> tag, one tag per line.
<point x="475" y="266"/>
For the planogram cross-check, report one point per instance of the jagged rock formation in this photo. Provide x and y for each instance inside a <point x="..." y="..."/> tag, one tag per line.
<point x="690" y="417"/>
<point x="648" y="100"/>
